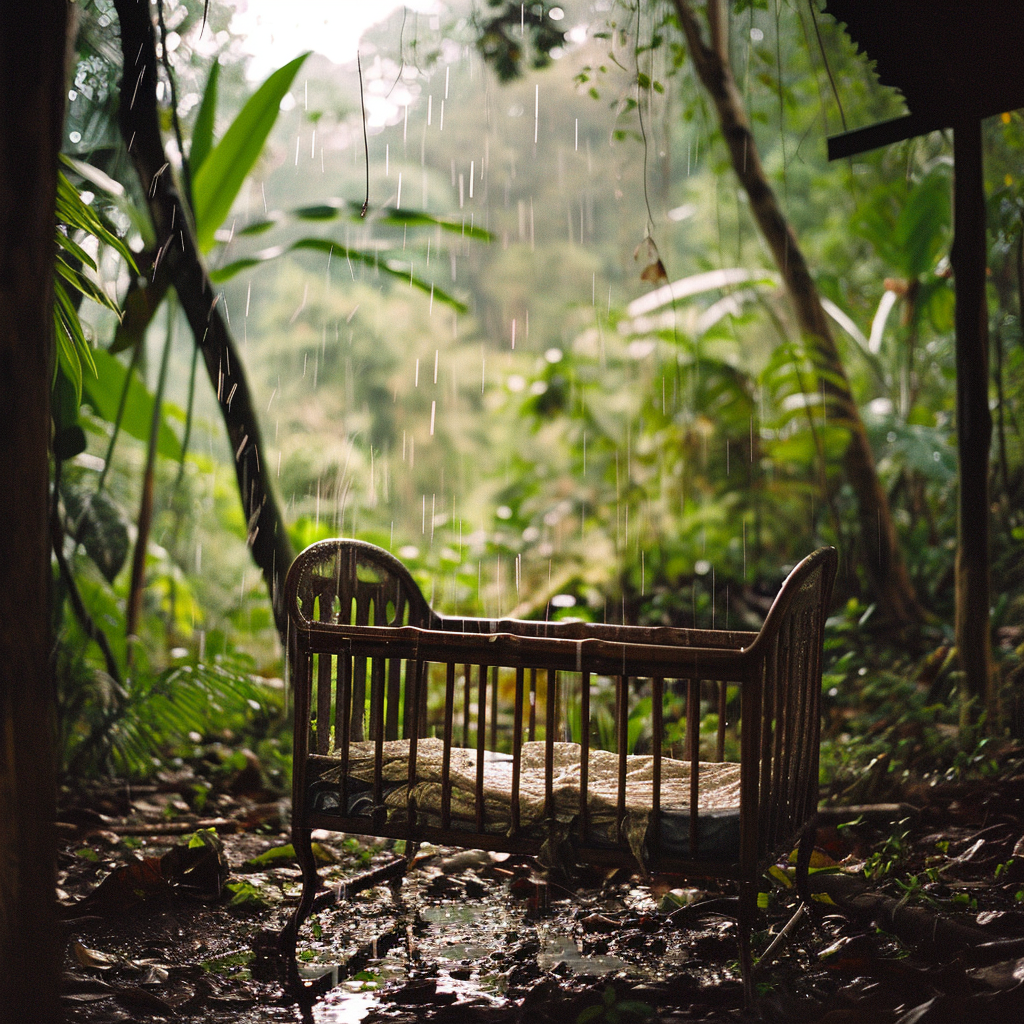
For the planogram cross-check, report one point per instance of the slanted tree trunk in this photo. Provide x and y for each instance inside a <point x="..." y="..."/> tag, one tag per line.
<point x="32" y="48"/>
<point x="178" y="258"/>
<point x="883" y="562"/>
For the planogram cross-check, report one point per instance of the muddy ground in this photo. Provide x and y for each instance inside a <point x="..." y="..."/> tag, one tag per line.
<point x="170" y="912"/>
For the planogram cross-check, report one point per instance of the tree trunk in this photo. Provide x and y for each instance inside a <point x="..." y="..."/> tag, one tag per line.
<point x="973" y="418"/>
<point x="32" y="84"/>
<point x="178" y="258"/>
<point x="890" y="580"/>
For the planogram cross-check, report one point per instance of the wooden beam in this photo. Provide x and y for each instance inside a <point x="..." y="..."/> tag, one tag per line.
<point x="861" y="140"/>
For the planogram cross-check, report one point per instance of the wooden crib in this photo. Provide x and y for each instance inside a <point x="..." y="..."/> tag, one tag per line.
<point x="513" y="735"/>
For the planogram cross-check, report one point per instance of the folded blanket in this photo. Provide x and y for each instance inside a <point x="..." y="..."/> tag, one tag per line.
<point x="719" y="785"/>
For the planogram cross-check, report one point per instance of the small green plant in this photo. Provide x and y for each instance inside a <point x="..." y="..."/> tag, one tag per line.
<point x="883" y="861"/>
<point x="964" y="900"/>
<point x="245" y="894"/>
<point x="362" y="853"/>
<point x="612" y="1009"/>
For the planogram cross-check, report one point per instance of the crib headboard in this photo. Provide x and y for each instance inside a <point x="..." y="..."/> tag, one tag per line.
<point x="351" y="582"/>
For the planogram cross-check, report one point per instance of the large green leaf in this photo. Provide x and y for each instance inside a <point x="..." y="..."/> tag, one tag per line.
<point x="103" y="393"/>
<point x="77" y="215"/>
<point x="401" y="269"/>
<point x="202" y="134"/>
<point x="923" y="222"/>
<point x="97" y="524"/>
<point x="218" y="180"/>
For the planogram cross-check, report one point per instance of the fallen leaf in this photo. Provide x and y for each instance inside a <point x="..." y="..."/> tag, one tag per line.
<point x="138" y="999"/>
<point x="1003" y="976"/>
<point x="93" y="958"/>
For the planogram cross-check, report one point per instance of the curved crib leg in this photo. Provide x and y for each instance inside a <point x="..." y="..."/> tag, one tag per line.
<point x="747" y="913"/>
<point x="303" y="844"/>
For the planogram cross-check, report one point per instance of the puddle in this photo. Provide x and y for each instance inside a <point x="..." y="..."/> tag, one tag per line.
<point x="344" y="1006"/>
<point x="557" y="949"/>
<point x="463" y="940"/>
<point x="473" y="949"/>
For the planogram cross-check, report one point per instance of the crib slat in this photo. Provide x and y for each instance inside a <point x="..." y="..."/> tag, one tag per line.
<point x="768" y="697"/>
<point x="393" y="698"/>
<point x="494" y="707"/>
<point x="809" y="680"/>
<point x="533" y="704"/>
<point x="755" y="706"/>
<point x="657" y="726"/>
<point x="692" y="693"/>
<point x="377" y="732"/>
<point x="517" y="749"/>
<point x="783" y="728"/>
<point x="446" y="756"/>
<point x="693" y="754"/>
<point x="800" y="703"/>
<point x="345" y="704"/>
<point x="584" y="755"/>
<point x="549" y="744"/>
<point x="378" y="667"/>
<point x="622" y="741"/>
<point x="481" y="732"/>
<point x="356" y="729"/>
<point x="323" y="703"/>
<point x="720" y="744"/>
<point x="417" y="670"/>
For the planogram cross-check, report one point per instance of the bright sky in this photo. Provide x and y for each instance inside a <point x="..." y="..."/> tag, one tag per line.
<point x="275" y="31"/>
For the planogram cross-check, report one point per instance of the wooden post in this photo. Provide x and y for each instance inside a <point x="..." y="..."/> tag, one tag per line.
<point x="973" y="419"/>
<point x="32" y="89"/>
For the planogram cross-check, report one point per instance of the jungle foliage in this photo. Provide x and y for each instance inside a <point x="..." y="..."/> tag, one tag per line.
<point x="487" y="374"/>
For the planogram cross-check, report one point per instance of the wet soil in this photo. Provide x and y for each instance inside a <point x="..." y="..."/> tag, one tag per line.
<point x="173" y="914"/>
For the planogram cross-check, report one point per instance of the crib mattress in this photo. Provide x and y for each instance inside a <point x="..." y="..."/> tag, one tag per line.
<point x="718" y="794"/>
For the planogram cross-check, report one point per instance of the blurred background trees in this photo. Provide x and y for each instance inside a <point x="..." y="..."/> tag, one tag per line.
<point x="486" y="373"/>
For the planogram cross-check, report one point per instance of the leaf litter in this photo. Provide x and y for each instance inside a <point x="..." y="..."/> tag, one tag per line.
<point x="916" y="914"/>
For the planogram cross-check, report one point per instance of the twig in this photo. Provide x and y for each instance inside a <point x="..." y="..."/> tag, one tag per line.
<point x="366" y="144"/>
<point x="769" y="953"/>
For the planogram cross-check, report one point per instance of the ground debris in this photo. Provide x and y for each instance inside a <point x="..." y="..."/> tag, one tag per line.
<point x="925" y="923"/>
